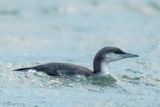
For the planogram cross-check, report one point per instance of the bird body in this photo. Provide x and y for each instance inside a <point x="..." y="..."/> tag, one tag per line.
<point x="101" y="59"/>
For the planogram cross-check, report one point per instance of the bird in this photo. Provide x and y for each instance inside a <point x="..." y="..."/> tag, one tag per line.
<point x="102" y="58"/>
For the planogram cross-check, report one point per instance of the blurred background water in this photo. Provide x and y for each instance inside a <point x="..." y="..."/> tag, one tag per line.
<point x="41" y="31"/>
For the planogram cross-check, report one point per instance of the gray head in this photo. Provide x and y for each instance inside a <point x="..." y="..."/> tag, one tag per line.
<point x="109" y="54"/>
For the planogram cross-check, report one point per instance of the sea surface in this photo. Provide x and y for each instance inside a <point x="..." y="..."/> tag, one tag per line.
<point x="34" y="32"/>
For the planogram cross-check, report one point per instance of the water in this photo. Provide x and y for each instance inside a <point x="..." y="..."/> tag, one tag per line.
<point x="40" y="31"/>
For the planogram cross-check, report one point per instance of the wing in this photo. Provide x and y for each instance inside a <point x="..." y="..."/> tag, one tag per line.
<point x="60" y="69"/>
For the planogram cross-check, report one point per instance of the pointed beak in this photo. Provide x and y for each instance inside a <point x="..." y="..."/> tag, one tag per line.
<point x="129" y="55"/>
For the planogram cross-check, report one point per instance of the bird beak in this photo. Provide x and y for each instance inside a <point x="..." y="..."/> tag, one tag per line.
<point x="129" y="55"/>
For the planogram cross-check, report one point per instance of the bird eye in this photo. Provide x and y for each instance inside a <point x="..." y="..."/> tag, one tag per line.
<point x="118" y="52"/>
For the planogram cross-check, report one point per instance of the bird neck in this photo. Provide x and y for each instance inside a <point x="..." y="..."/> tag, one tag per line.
<point x="104" y="68"/>
<point x="100" y="67"/>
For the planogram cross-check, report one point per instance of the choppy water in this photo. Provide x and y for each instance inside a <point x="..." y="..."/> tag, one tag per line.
<point x="40" y="31"/>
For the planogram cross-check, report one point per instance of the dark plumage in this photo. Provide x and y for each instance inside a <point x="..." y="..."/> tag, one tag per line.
<point x="57" y="69"/>
<point x="106" y="54"/>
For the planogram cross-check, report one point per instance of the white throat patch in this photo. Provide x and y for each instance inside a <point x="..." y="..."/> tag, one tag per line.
<point x="112" y="57"/>
<point x="104" y="68"/>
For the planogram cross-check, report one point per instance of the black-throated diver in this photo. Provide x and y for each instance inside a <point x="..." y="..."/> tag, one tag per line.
<point x="101" y="59"/>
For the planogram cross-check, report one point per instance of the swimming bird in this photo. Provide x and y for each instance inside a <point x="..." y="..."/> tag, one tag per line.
<point x="103" y="57"/>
